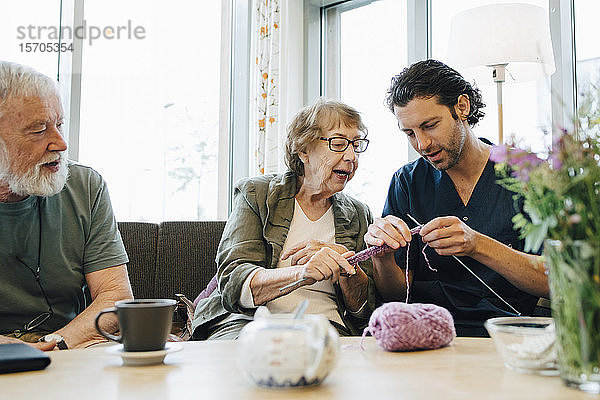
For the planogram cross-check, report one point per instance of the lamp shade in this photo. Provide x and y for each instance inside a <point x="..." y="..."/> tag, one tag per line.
<point x="515" y="34"/>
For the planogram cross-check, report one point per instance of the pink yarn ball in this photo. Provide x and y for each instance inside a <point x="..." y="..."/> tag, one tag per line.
<point x="400" y="326"/>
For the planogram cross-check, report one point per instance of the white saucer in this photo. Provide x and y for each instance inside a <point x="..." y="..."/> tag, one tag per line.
<point x="137" y="358"/>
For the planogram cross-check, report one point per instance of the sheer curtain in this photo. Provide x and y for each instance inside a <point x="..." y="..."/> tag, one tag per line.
<point x="276" y="92"/>
<point x="265" y="69"/>
<point x="270" y="74"/>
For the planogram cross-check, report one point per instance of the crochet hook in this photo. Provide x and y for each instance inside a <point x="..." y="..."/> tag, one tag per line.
<point x="475" y="275"/>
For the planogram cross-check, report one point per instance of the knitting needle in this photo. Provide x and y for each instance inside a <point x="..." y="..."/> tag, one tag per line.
<point x="281" y="289"/>
<point x="355" y="259"/>
<point x="475" y="275"/>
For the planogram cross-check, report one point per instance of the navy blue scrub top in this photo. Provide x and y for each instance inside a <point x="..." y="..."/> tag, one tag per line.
<point x="425" y="193"/>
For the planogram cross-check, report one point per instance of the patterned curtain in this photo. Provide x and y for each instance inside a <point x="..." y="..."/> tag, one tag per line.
<point x="265" y="111"/>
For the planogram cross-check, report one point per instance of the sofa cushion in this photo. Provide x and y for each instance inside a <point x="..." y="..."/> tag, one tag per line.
<point x="186" y="257"/>
<point x="141" y="240"/>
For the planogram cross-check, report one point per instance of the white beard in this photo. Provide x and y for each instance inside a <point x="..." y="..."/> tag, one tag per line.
<point x="36" y="181"/>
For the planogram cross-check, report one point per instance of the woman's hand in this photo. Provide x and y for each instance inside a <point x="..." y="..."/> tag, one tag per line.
<point x="389" y="230"/>
<point x="302" y="252"/>
<point x="449" y="236"/>
<point x="327" y="264"/>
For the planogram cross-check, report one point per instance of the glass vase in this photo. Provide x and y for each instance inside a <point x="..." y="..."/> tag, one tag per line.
<point x="574" y="277"/>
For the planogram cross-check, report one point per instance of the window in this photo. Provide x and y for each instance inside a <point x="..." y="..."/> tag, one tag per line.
<point x="526" y="105"/>
<point x="150" y="106"/>
<point x="367" y="42"/>
<point x="372" y="48"/>
<point x="24" y="27"/>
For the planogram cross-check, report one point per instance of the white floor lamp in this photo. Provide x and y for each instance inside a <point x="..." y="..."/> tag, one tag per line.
<point x="513" y="40"/>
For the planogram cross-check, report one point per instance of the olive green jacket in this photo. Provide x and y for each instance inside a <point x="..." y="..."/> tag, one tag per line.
<point x="254" y="237"/>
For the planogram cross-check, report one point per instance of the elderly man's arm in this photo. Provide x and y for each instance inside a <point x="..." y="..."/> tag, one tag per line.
<point x="106" y="286"/>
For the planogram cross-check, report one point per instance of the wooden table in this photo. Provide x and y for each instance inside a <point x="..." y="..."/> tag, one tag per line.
<point x="468" y="369"/>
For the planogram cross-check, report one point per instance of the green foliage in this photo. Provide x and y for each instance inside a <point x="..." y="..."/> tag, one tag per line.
<point x="562" y="193"/>
<point x="575" y="289"/>
<point x="561" y="197"/>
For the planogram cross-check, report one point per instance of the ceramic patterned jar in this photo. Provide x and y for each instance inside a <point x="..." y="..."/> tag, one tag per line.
<point x="278" y="351"/>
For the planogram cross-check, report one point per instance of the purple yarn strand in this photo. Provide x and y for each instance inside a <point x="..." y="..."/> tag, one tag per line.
<point x="427" y="259"/>
<point x="414" y="231"/>
<point x="407" y="282"/>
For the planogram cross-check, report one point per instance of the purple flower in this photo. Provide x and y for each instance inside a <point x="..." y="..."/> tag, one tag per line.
<point x="521" y="174"/>
<point x="524" y="159"/>
<point x="499" y="154"/>
<point x="522" y="162"/>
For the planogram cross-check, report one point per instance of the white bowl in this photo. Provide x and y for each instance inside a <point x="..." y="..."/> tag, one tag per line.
<point x="526" y="344"/>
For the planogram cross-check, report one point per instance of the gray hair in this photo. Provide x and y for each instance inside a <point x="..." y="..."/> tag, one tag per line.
<point x="312" y="122"/>
<point x="18" y="80"/>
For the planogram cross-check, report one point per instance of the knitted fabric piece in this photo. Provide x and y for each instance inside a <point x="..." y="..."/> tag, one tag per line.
<point x="212" y="285"/>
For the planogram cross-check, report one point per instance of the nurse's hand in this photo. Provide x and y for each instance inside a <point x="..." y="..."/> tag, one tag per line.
<point x="450" y="236"/>
<point x="389" y="230"/>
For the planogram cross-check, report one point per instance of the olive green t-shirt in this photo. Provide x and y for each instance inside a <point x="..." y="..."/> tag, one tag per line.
<point x="78" y="234"/>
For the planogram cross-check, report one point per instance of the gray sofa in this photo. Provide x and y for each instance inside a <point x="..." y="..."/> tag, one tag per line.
<point x="171" y="257"/>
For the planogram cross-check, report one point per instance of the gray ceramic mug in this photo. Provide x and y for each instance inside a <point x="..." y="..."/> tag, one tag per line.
<point x="145" y="324"/>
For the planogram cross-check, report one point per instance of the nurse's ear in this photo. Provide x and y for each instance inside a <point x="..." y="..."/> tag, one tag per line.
<point x="463" y="107"/>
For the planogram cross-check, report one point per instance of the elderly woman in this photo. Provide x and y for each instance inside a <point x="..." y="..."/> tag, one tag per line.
<point x="284" y="228"/>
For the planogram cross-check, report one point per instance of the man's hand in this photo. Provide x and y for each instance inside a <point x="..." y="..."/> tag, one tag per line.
<point x="38" y="345"/>
<point x="303" y="251"/>
<point x="44" y="346"/>
<point x="389" y="230"/>
<point x="449" y="236"/>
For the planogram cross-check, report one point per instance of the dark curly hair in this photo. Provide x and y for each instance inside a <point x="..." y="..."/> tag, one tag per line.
<point x="429" y="78"/>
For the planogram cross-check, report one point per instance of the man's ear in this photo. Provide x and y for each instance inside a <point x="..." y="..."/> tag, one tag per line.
<point x="463" y="107"/>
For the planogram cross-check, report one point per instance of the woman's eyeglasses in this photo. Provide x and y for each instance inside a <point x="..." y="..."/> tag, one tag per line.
<point x="43" y="317"/>
<point x="340" y="144"/>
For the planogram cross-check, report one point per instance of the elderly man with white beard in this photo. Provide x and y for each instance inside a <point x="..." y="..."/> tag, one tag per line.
<point x="59" y="242"/>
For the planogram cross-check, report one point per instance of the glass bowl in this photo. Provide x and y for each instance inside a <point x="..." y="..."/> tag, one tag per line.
<point x="526" y="344"/>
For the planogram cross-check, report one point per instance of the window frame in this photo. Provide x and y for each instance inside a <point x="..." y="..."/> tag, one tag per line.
<point x="562" y="29"/>
<point x="238" y="93"/>
<point x="70" y="69"/>
<point x="233" y="161"/>
<point x="419" y="42"/>
<point x="563" y="82"/>
<point x="236" y="17"/>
